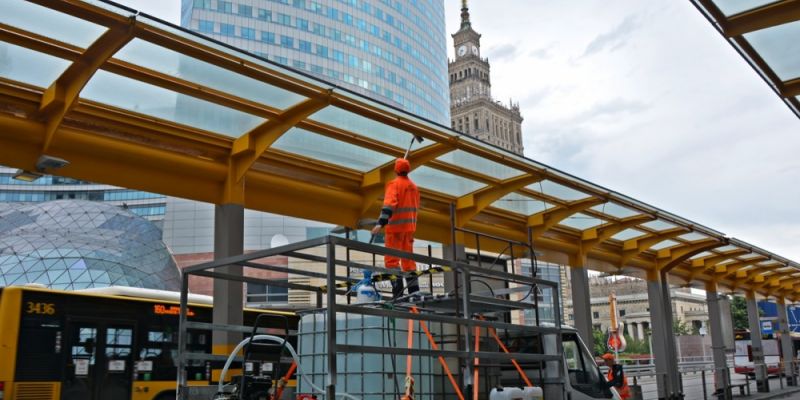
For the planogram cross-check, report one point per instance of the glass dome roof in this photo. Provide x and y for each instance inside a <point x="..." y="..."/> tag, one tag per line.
<point x="69" y="244"/>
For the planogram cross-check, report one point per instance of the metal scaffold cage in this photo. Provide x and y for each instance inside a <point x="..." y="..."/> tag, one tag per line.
<point x="467" y="341"/>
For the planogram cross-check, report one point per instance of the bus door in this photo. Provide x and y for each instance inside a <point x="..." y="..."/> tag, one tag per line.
<point x="99" y="360"/>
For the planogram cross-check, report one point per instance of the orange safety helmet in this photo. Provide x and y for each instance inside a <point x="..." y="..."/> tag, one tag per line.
<point x="402" y="165"/>
<point x="608" y="357"/>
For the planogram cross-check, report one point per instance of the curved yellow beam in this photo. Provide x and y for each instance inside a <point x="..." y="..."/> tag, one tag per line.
<point x="633" y="247"/>
<point x="669" y="258"/>
<point x="59" y="98"/>
<point x="252" y="145"/>
<point x="469" y="205"/>
<point x="543" y="221"/>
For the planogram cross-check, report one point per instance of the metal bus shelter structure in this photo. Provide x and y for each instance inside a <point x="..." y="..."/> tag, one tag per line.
<point x="96" y="91"/>
<point x="765" y="34"/>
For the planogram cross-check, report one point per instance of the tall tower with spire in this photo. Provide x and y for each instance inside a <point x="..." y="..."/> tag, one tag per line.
<point x="473" y="111"/>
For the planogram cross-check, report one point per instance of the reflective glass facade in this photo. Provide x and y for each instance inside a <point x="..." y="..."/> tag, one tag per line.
<point x="47" y="188"/>
<point x="549" y="272"/>
<point x="70" y="244"/>
<point x="392" y="51"/>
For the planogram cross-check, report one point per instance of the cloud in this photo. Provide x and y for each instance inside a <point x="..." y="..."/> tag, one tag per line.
<point x="613" y="107"/>
<point x="613" y="39"/>
<point x="535" y="97"/>
<point x="542" y="53"/>
<point x="503" y="52"/>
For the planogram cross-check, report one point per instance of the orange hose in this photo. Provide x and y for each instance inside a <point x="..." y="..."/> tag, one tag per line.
<point x="477" y="361"/>
<point x="279" y="391"/>
<point x="435" y="347"/>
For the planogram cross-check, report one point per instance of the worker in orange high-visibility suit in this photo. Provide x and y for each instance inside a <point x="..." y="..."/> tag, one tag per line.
<point x="615" y="377"/>
<point x="399" y="216"/>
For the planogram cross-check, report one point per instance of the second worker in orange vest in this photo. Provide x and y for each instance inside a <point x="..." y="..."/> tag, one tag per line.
<point x="399" y="216"/>
<point x="615" y="377"/>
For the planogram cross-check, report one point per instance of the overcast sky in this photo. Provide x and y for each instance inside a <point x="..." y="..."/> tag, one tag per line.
<point x="645" y="98"/>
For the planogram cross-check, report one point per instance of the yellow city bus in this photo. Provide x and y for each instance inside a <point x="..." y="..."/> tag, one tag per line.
<point x="69" y="345"/>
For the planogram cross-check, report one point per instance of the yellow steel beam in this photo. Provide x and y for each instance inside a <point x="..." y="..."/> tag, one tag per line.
<point x="62" y="94"/>
<point x="725" y="271"/>
<point x="790" y="287"/>
<point x="704" y="264"/>
<point x="774" y="14"/>
<point x="636" y="246"/>
<point x="184" y="172"/>
<point x="543" y="221"/>
<point x="769" y="284"/>
<point x="758" y="272"/>
<point x="471" y="204"/>
<point x="250" y="146"/>
<point x="374" y="181"/>
<point x="594" y="236"/>
<point x="714" y="259"/>
<point x="671" y="257"/>
<point x="790" y="88"/>
<point x="72" y="53"/>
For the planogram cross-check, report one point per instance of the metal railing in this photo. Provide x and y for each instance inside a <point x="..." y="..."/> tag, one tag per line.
<point x="460" y="313"/>
<point x="698" y="379"/>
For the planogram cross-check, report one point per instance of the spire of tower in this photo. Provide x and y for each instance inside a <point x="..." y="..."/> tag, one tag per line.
<point x="464" y="15"/>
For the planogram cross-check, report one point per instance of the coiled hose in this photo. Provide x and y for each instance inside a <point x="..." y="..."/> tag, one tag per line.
<point x="291" y="351"/>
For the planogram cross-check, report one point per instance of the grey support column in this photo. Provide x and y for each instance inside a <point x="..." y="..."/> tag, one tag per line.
<point x="762" y="383"/>
<point x="721" y="376"/>
<point x="786" y="344"/>
<point x="672" y="349"/>
<point x="447" y="254"/>
<point x="581" y="304"/>
<point x="228" y="241"/>
<point x="663" y="340"/>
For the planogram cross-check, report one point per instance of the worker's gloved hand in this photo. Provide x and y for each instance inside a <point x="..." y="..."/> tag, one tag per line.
<point x="376" y="229"/>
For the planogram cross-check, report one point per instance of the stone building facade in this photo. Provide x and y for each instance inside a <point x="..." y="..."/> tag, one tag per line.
<point x="633" y="305"/>
<point x="473" y="111"/>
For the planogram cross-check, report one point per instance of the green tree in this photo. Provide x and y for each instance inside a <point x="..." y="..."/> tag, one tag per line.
<point x="636" y="346"/>
<point x="599" y="342"/>
<point x="680" y="327"/>
<point x="739" y="313"/>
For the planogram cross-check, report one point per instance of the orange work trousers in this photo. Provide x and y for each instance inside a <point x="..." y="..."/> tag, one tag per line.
<point x="403" y="241"/>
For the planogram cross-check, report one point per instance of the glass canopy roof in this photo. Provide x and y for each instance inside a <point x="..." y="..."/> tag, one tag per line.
<point x="136" y="102"/>
<point x="767" y="35"/>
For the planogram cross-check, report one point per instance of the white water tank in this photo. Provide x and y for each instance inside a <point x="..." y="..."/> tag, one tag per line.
<point x="369" y="376"/>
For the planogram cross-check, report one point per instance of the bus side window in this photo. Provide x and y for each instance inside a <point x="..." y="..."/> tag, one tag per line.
<point x="158" y="349"/>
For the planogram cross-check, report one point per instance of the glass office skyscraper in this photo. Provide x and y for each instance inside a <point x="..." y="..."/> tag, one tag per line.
<point x="392" y="51"/>
<point x="151" y="206"/>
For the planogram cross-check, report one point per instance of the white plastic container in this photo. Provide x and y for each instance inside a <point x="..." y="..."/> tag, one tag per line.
<point x="365" y="290"/>
<point x="533" y="393"/>
<point x="366" y="293"/>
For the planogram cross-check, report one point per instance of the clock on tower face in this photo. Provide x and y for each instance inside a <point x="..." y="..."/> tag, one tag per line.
<point x="462" y="50"/>
<point x="474" y="50"/>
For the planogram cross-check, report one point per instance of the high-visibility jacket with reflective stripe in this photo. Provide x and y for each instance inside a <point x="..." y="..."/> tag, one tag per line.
<point x="402" y="198"/>
<point x="622" y="386"/>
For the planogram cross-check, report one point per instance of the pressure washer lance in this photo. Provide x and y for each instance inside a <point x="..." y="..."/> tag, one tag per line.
<point x="418" y="139"/>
